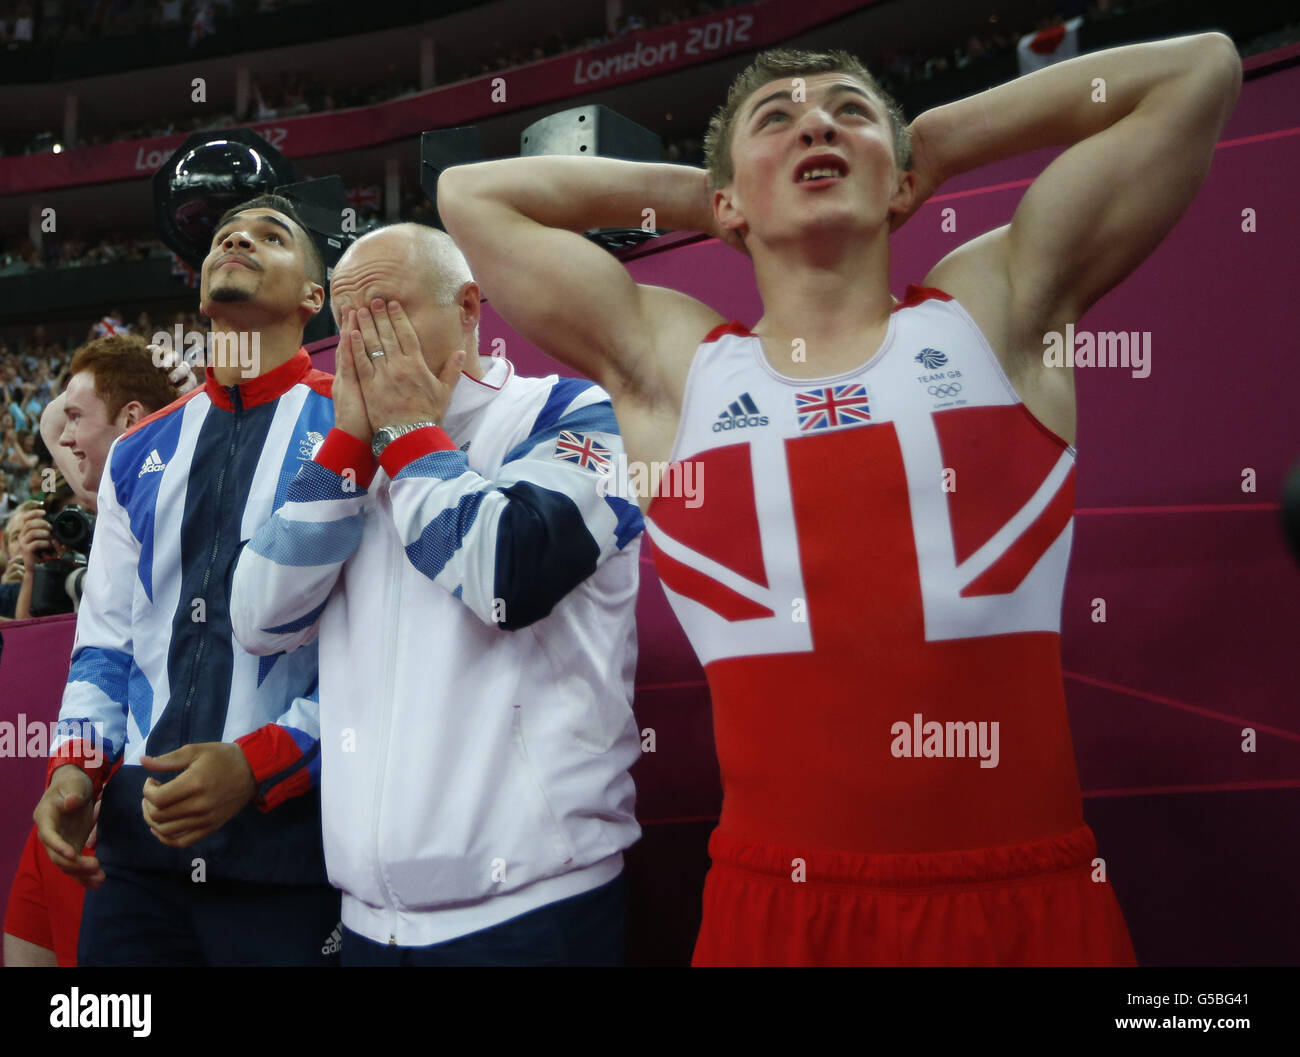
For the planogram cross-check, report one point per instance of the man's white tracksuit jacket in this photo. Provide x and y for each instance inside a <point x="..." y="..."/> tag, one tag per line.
<point x="473" y="598"/>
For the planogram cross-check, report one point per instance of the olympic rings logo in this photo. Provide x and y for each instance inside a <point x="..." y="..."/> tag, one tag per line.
<point x="944" y="389"/>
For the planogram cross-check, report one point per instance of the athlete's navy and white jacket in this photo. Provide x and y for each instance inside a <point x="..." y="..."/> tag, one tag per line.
<point x="473" y="600"/>
<point x="154" y="663"/>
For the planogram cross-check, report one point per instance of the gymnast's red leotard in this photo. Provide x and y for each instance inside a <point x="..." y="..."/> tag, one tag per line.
<point x="870" y="568"/>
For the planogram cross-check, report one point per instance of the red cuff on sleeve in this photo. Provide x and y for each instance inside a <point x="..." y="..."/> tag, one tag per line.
<point x="270" y="751"/>
<point x="414" y="445"/>
<point x="342" y="451"/>
<point x="76" y="752"/>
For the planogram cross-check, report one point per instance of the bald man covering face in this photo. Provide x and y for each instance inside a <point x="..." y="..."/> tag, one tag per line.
<point x="472" y="588"/>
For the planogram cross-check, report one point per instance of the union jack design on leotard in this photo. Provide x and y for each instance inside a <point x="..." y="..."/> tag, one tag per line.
<point x="929" y="550"/>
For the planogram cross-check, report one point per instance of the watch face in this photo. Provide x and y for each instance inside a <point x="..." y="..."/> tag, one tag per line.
<point x="387" y="434"/>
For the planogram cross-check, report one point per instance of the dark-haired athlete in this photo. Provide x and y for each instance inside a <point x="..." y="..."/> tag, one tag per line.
<point x="873" y="581"/>
<point x="205" y="758"/>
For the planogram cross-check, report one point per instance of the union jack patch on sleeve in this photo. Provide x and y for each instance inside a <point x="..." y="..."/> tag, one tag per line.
<point x="584" y="450"/>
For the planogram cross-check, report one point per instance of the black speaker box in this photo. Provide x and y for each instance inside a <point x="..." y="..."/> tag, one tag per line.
<point x="594" y="130"/>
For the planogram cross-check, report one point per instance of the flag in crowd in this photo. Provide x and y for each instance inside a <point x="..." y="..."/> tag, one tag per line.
<point x="1048" y="46"/>
<point x="110" y="325"/>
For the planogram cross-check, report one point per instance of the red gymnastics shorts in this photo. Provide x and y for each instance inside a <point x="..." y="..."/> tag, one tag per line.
<point x="45" y="903"/>
<point x="1021" y="904"/>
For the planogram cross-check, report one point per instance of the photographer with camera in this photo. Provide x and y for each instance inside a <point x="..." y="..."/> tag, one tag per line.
<point x="11" y="578"/>
<point x="51" y="541"/>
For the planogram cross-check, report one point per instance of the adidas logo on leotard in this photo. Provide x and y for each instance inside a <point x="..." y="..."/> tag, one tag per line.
<point x="152" y="464"/>
<point x="334" y="943"/>
<point x="741" y="413"/>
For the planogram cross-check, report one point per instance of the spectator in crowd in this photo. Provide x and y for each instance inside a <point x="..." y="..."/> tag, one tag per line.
<point x="263" y="109"/>
<point x="4" y="543"/>
<point x="16" y="417"/>
<point x="12" y="578"/>
<point x="168" y="13"/>
<point x="10" y="546"/>
<point x="43" y="381"/>
<point x="24" y="26"/>
<point x="35" y="543"/>
<point x="17" y="460"/>
<point x="32" y="404"/>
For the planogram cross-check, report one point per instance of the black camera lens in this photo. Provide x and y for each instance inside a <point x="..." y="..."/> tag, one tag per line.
<point x="73" y="527"/>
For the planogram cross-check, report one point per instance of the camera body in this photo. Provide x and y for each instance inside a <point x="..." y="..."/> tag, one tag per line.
<point x="58" y="579"/>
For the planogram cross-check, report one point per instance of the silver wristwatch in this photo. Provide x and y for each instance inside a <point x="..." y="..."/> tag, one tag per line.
<point x="387" y="434"/>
